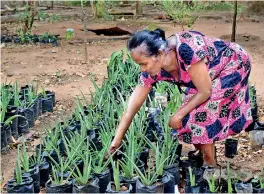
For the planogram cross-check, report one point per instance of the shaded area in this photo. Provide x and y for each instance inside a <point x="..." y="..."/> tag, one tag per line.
<point x="114" y="31"/>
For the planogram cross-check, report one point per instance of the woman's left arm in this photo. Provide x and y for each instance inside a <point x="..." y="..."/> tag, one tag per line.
<point x="202" y="81"/>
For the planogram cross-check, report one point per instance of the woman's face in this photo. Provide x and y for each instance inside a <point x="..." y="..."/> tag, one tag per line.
<point x="152" y="65"/>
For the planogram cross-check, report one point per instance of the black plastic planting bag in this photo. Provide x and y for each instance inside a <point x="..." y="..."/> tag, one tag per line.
<point x="194" y="189"/>
<point x="243" y="187"/>
<point x="44" y="173"/>
<point x="66" y="188"/>
<point x="169" y="183"/>
<point x="22" y="126"/>
<point x="196" y="158"/>
<point x="197" y="172"/>
<point x="52" y="95"/>
<point x="3" y="138"/>
<point x="153" y="125"/>
<point x="35" y="107"/>
<point x="174" y="171"/>
<point x="39" y="105"/>
<point x="25" y="187"/>
<point x="156" y="188"/>
<point x="30" y="116"/>
<point x="91" y="187"/>
<point x="47" y="104"/>
<point x="34" y="174"/>
<point x="110" y="190"/>
<point x="11" y="111"/>
<point x="7" y="128"/>
<point x="130" y="181"/>
<point x="104" y="179"/>
<point x="231" y="148"/>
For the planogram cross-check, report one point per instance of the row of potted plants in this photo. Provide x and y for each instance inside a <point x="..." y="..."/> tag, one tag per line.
<point x="20" y="107"/>
<point x="74" y="157"/>
<point x="22" y="38"/>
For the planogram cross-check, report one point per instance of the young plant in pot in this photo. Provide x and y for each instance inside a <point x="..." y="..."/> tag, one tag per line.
<point x="258" y="183"/>
<point x="117" y="186"/>
<point x="84" y="181"/>
<point x="171" y="145"/>
<point x="193" y="187"/>
<point x="212" y="185"/>
<point x="154" y="180"/>
<point x="131" y="146"/>
<point x="5" y="127"/>
<point x="20" y="184"/>
<point x="38" y="159"/>
<point x="58" y="183"/>
<point x="27" y="169"/>
<point x="100" y="168"/>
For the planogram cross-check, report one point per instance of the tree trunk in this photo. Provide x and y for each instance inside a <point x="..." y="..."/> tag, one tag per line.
<point x="233" y="36"/>
<point x="52" y="4"/>
<point x="139" y="8"/>
<point x="84" y="30"/>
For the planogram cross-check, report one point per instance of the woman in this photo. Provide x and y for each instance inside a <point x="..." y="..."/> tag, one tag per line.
<point x="215" y="74"/>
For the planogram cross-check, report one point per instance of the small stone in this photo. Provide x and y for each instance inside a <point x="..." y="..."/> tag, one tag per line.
<point x="2" y="45"/>
<point x="37" y="122"/>
<point x="53" y="51"/>
<point x="47" y="81"/>
<point x="9" y="74"/>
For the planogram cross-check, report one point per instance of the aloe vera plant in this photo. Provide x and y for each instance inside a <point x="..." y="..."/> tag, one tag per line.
<point x="211" y="183"/>
<point x="18" y="167"/>
<point x="82" y="178"/>
<point x="24" y="157"/>
<point x="192" y="177"/>
<point x="229" y="181"/>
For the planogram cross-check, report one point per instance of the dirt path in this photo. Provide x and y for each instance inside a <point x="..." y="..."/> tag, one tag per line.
<point x="62" y="70"/>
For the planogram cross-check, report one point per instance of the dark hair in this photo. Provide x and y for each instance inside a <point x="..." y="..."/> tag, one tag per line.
<point x="154" y="40"/>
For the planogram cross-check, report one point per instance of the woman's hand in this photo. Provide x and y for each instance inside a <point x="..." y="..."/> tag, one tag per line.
<point x="113" y="147"/>
<point x="176" y="121"/>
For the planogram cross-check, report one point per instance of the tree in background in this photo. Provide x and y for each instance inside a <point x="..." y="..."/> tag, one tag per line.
<point x="233" y="36"/>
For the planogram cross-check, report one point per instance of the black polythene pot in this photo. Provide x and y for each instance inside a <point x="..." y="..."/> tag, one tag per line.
<point x="174" y="170"/>
<point x="29" y="113"/>
<point x="65" y="188"/>
<point x="192" y="189"/>
<point x="243" y="187"/>
<point x="258" y="190"/>
<point x="197" y="172"/>
<point x="39" y="105"/>
<point x="91" y="187"/>
<point x="231" y="148"/>
<point x="47" y="104"/>
<point x="23" y="125"/>
<point x="44" y="173"/>
<point x="7" y="128"/>
<point x="4" y="144"/>
<point x="104" y="179"/>
<point x="26" y="186"/>
<point x="11" y="111"/>
<point x="130" y="181"/>
<point x="157" y="187"/>
<point x="196" y="158"/>
<point x="111" y="185"/>
<point x="169" y="182"/>
<point x="52" y="95"/>
<point x="143" y="156"/>
<point x="34" y="174"/>
<point x="259" y="126"/>
<point x="35" y="107"/>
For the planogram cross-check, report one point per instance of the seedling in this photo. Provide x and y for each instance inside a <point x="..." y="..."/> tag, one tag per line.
<point x="192" y="177"/>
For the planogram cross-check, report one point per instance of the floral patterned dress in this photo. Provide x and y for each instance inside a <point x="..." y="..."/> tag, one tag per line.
<point x="227" y="111"/>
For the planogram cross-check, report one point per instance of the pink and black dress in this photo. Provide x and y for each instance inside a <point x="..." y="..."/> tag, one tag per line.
<point x="227" y="111"/>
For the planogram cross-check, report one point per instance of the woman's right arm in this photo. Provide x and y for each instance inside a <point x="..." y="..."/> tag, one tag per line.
<point x="137" y="98"/>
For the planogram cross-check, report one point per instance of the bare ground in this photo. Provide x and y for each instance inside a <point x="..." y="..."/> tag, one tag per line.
<point x="62" y="69"/>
